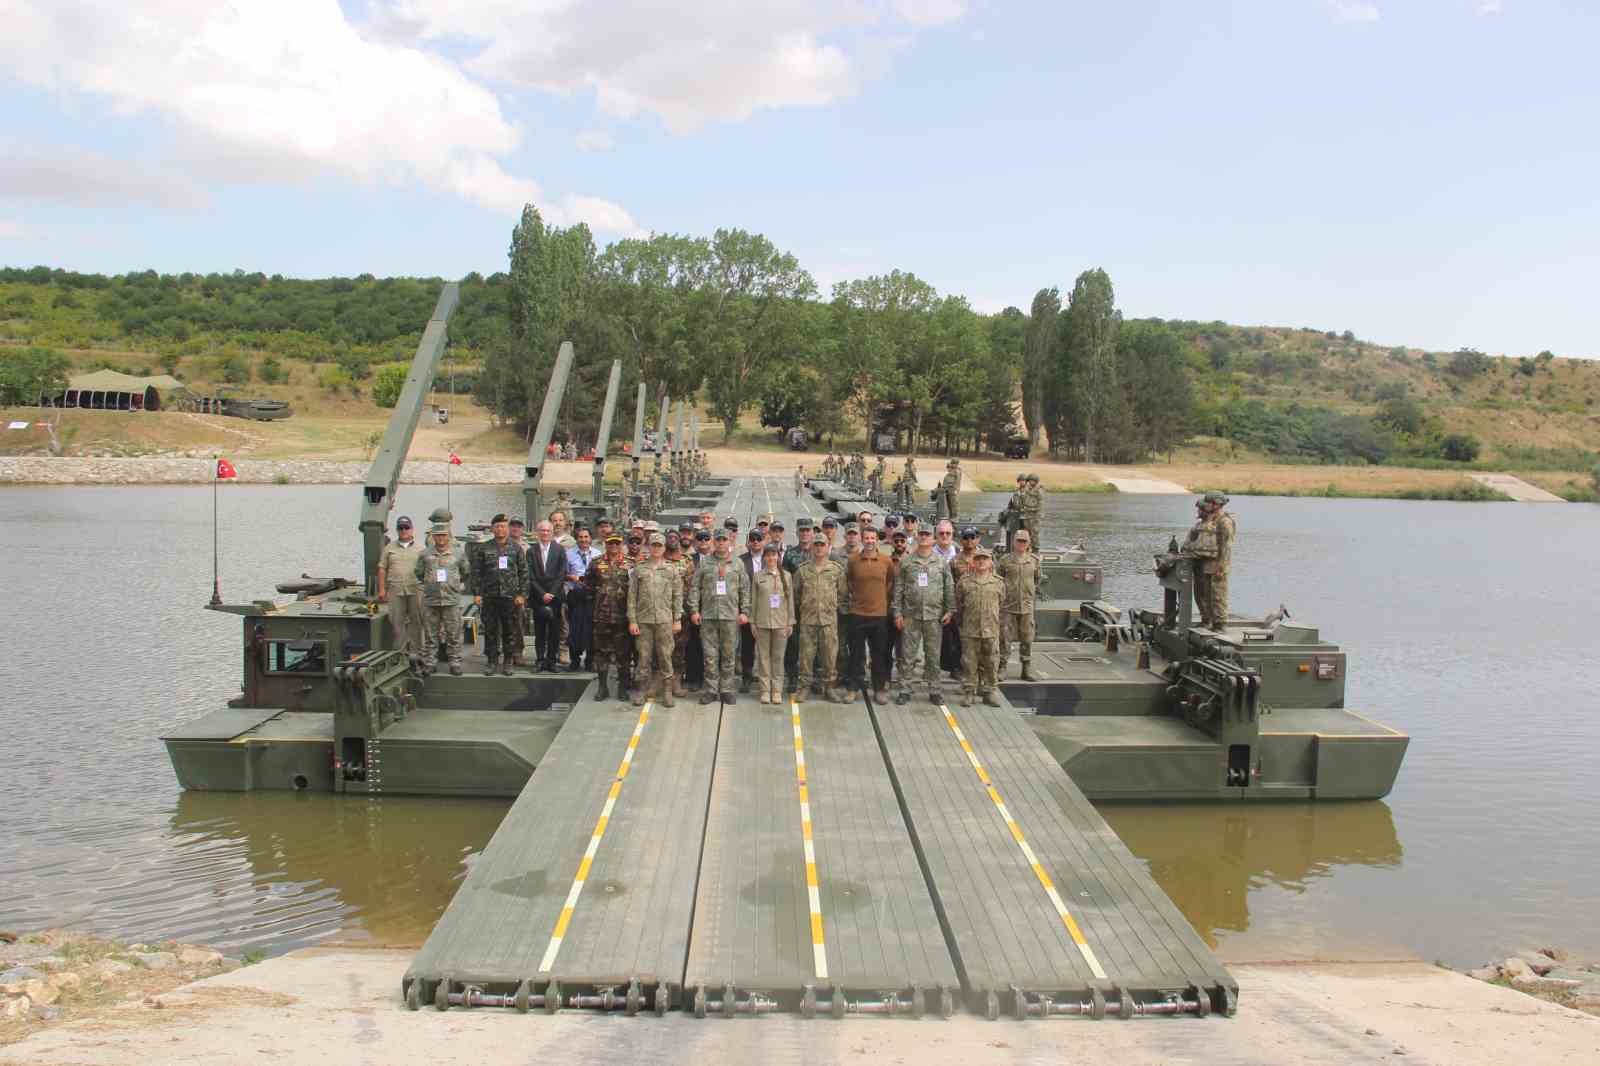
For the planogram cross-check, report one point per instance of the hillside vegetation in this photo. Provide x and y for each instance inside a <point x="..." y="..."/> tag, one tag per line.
<point x="956" y="380"/>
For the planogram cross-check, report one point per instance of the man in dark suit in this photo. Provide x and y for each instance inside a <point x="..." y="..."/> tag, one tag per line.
<point x="547" y="572"/>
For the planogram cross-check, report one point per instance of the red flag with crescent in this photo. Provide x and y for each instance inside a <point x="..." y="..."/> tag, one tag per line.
<point x="455" y="460"/>
<point x="225" y="470"/>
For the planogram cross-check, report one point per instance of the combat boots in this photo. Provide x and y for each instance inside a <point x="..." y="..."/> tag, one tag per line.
<point x="491" y="666"/>
<point x="666" y="688"/>
<point x="603" y="692"/>
<point x="1027" y="671"/>
<point x="991" y="698"/>
<point x="708" y="696"/>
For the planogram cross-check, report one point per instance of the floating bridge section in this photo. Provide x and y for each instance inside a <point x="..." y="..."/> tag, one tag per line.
<point x="815" y="858"/>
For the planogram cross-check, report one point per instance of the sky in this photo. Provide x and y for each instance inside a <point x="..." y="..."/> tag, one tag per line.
<point x="1421" y="172"/>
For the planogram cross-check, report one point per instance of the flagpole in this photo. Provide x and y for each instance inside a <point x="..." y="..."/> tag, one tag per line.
<point x="216" y="580"/>
<point x="447" y="472"/>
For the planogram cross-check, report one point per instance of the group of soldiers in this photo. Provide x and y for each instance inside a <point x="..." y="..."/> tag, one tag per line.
<point x="876" y="486"/>
<point x="1210" y="544"/>
<point x="686" y="469"/>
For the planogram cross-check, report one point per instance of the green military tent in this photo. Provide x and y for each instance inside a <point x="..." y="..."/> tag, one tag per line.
<point x="110" y="390"/>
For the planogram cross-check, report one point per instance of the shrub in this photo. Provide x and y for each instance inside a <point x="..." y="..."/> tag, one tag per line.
<point x="235" y="370"/>
<point x="272" y="370"/>
<point x="1459" y="447"/>
<point x="387" y="385"/>
<point x="1469" y="363"/>
<point x="334" y="379"/>
<point x="169" y="361"/>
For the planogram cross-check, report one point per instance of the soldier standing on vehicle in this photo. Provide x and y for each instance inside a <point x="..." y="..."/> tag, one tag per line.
<point x="1210" y="543"/>
<point x="607" y="582"/>
<point x="924" y="604"/>
<point x="772" y="620"/>
<point x="1019" y="571"/>
<point x="679" y="561"/>
<point x="950" y="489"/>
<point x="1032" y="508"/>
<point x="719" y="603"/>
<point x="501" y="580"/>
<point x="800" y="480"/>
<point x="398" y="587"/>
<point x="979" y="594"/>
<point x="655" y="604"/>
<point x="820" y="595"/>
<point x="441" y="572"/>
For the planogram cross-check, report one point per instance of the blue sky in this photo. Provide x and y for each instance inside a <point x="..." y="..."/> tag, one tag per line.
<point x="1418" y="171"/>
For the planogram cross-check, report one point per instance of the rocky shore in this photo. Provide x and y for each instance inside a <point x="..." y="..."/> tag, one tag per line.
<point x="185" y="470"/>
<point x="55" y="976"/>
<point x="1548" y="973"/>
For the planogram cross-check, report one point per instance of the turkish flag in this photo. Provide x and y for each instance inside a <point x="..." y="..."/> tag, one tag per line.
<point x="225" y="470"/>
<point x="455" y="460"/>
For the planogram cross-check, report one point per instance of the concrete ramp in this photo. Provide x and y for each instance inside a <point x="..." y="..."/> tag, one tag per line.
<point x="1144" y="486"/>
<point x="1516" y="488"/>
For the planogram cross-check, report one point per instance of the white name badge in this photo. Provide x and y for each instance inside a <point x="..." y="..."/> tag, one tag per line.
<point x="775" y="600"/>
<point x="722" y="588"/>
<point x="504" y="562"/>
<point x="922" y="581"/>
<point x="441" y="575"/>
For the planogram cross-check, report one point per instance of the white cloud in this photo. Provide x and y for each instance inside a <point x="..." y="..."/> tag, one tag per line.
<point x="90" y="179"/>
<point x="1488" y="7"/>
<point x="10" y="230"/>
<point x="1356" y="11"/>
<point x="689" y="64"/>
<point x="595" y="141"/>
<point x="287" y="89"/>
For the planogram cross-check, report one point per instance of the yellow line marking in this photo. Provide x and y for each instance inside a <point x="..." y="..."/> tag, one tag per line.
<point x="1045" y="882"/>
<point x="600" y="824"/>
<point x="819" y="947"/>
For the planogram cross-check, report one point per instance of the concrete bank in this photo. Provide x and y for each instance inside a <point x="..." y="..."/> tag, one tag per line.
<point x="68" y="470"/>
<point x="338" y="1005"/>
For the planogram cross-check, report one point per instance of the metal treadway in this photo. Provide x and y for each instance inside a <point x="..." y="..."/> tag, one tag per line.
<point x="811" y="857"/>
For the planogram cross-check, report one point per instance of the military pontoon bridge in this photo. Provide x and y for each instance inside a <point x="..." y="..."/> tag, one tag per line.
<point x="816" y="857"/>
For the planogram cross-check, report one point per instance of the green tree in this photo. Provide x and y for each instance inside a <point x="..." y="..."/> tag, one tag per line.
<point x="31" y="373"/>
<point x="387" y="384"/>
<point x="1039" y="359"/>
<point x="1158" y="387"/>
<point x="1094" y="324"/>
<point x="1459" y="447"/>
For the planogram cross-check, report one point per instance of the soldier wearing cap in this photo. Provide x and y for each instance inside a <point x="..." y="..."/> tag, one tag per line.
<point x="1032" y="508"/>
<point x="1019" y="572"/>
<point x="950" y="657"/>
<point x="441" y="573"/>
<point x="979" y="595"/>
<point x="719" y="603"/>
<point x="501" y="581"/>
<point x="399" y="588"/>
<point x="655" y="610"/>
<point x="771" y="621"/>
<point x="950" y="490"/>
<point x="607" y="582"/>
<point x="924" y="603"/>
<point x="694" y="665"/>
<point x="679" y="560"/>
<point x="819" y="599"/>
<point x="1210" y="544"/>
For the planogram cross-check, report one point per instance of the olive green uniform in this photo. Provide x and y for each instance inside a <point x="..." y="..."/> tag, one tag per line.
<point x="1210" y="543"/>
<point x="400" y="585"/>
<point x="924" y="593"/>
<point x="1032" y="508"/>
<point x="978" y="601"/>
<point x="442" y="578"/>
<point x="613" y="645"/>
<point x="501" y="575"/>
<point x="819" y="591"/>
<point x="719" y="594"/>
<point x="1019" y="572"/>
<point x="950" y="492"/>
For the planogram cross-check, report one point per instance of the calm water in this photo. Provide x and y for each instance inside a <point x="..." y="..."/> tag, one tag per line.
<point x="1467" y="626"/>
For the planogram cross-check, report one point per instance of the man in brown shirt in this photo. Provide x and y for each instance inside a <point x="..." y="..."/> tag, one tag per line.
<point x="869" y="593"/>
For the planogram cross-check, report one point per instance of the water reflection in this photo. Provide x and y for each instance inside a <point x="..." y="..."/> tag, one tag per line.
<point x="1213" y="859"/>
<point x="311" y="865"/>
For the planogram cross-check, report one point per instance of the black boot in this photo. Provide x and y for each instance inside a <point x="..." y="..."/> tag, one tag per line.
<point x="604" y="691"/>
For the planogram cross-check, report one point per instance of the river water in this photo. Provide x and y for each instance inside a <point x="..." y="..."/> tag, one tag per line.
<point x="1465" y="626"/>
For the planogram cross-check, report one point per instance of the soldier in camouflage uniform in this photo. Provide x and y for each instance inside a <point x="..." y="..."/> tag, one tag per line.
<point x="950" y="489"/>
<point x="875" y="480"/>
<point x="1210" y="543"/>
<point x="1032" y="508"/>
<point x="442" y="572"/>
<point x="924" y="602"/>
<point x="680" y="639"/>
<point x="719" y="603"/>
<point x="655" y="612"/>
<point x="607" y="582"/>
<point x="819" y="597"/>
<point x="1019" y="571"/>
<point x="501" y="583"/>
<point x="979" y="595"/>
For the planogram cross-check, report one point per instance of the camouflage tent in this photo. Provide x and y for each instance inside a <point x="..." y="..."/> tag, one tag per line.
<point x="110" y="390"/>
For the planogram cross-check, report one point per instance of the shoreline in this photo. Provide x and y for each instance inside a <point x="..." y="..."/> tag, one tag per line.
<point x="343" y="1004"/>
<point x="985" y="475"/>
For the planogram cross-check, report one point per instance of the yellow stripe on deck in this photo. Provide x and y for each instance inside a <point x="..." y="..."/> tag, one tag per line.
<point x="600" y="825"/>
<point x="819" y="950"/>
<point x="1027" y="852"/>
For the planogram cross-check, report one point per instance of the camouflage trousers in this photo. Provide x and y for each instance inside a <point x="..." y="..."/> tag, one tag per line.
<point x="979" y="656"/>
<point x="613" y="647"/>
<point x="405" y="622"/>
<point x="654" y="648"/>
<point x="719" y="639"/>
<point x="1030" y="522"/>
<point x="441" y="624"/>
<point x="519" y="629"/>
<point x="818" y="641"/>
<point x="1211" y="597"/>
<point x="919" y="646"/>
<point x="500" y="635"/>
<point x="1016" y="626"/>
<point x="680" y="650"/>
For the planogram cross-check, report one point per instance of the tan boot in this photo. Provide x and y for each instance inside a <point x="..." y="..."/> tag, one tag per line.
<point x="666" y="693"/>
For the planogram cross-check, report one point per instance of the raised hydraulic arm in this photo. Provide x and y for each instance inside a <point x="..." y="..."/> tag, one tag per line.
<point x="603" y="442"/>
<point x="533" y="472"/>
<point x="378" y="492"/>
